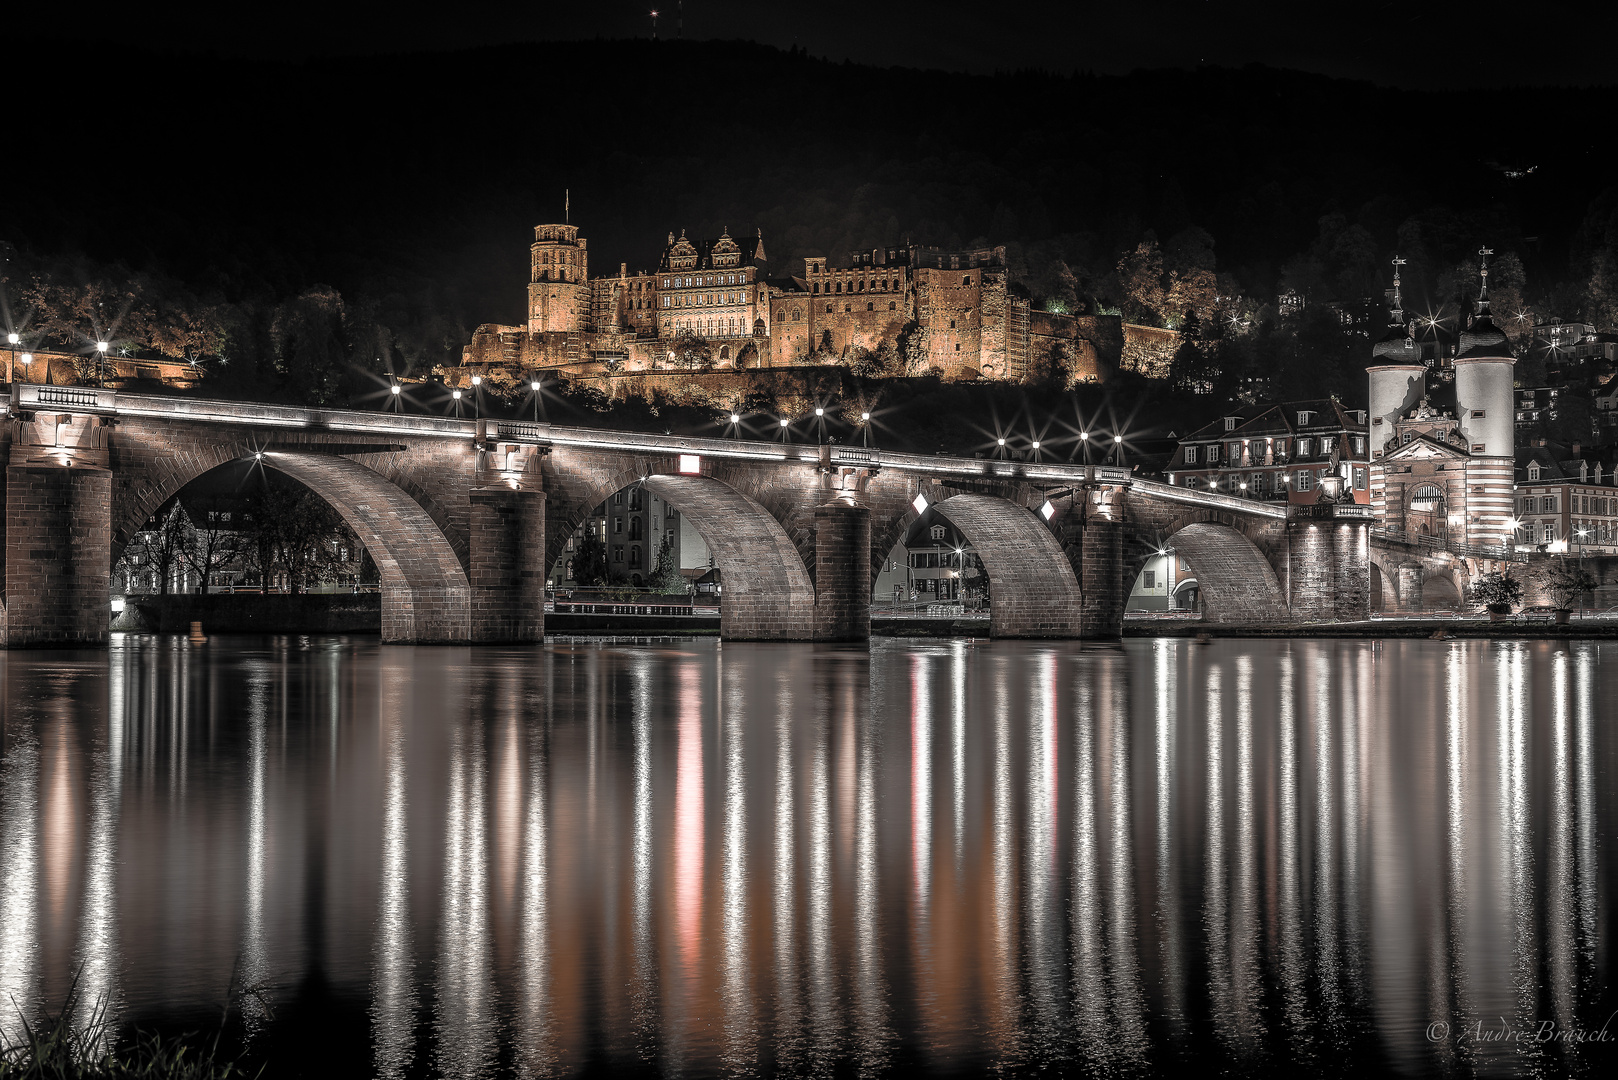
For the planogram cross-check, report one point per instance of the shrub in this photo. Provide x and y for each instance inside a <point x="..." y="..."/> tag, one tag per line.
<point x="1497" y="592"/>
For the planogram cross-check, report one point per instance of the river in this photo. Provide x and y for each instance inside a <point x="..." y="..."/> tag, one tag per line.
<point x="677" y="857"/>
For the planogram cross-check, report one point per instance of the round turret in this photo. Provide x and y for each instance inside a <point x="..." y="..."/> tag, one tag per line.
<point x="1484" y="381"/>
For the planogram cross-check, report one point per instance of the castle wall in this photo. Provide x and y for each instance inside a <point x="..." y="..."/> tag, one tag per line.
<point x="949" y="307"/>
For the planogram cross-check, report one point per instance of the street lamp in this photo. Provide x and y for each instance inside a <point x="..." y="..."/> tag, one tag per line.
<point x="456" y="395"/>
<point x="820" y="424"/>
<point x="101" y="362"/>
<point x="477" y="381"/>
<point x="865" y="422"/>
<point x="533" y="385"/>
<point x="785" y="426"/>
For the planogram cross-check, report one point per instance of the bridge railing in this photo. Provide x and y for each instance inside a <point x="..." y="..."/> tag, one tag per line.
<point x="1454" y="547"/>
<point x="1194" y="497"/>
<point x="294" y="418"/>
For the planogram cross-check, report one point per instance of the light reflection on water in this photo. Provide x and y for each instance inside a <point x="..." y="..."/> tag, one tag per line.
<point x="755" y="859"/>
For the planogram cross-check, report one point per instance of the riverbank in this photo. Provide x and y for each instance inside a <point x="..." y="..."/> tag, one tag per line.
<point x="252" y="613"/>
<point x="1380" y="628"/>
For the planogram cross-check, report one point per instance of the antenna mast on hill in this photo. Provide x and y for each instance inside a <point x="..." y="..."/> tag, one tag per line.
<point x="654" y="24"/>
<point x="567" y="206"/>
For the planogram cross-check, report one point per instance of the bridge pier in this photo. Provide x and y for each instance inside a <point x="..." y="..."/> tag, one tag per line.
<point x="508" y="565"/>
<point x="58" y="551"/>
<point x="842" y="571"/>
<point x="1103" y="592"/>
<point x="1329" y="569"/>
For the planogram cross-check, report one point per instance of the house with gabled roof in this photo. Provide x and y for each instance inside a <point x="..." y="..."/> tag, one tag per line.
<point x="1294" y="451"/>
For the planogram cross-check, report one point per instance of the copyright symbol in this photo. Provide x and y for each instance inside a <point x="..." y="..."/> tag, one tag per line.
<point x="1437" y="1031"/>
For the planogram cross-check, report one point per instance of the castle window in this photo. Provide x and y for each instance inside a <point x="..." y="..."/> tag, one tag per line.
<point x="892" y="306"/>
<point x="966" y="280"/>
<point x="957" y="346"/>
<point x="815" y="288"/>
<point x="828" y="309"/>
<point x="847" y="308"/>
<point x="839" y="287"/>
<point x="952" y="324"/>
<point x="870" y="307"/>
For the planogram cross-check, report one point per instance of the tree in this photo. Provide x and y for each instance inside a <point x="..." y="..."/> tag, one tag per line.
<point x="214" y="543"/>
<point x="1564" y="581"/>
<point x="1497" y="591"/>
<point x="666" y="576"/>
<point x="159" y="548"/>
<point x="1140" y="275"/>
<point x="590" y="558"/>
<point x="296" y="533"/>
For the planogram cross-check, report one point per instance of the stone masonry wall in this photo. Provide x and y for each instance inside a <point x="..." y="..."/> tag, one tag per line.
<point x="842" y="586"/>
<point x="58" y="536"/>
<point x="508" y="575"/>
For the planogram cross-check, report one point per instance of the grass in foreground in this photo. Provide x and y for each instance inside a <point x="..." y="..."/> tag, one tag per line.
<point x="56" y="1048"/>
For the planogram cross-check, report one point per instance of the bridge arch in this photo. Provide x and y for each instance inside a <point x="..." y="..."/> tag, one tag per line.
<point x="153" y="460"/>
<point x="426" y="596"/>
<point x="1033" y="591"/>
<point x="1235" y="580"/>
<point x="765" y="590"/>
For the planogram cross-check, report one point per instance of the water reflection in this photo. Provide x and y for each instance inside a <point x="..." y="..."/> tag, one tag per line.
<point x="763" y="860"/>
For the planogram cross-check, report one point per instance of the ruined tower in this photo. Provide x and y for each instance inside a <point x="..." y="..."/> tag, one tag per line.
<point x="558" y="281"/>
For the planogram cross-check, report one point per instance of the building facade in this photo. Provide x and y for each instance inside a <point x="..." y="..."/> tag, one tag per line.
<point x="956" y="314"/>
<point x="1297" y="451"/>
<point x="631" y="527"/>
<point x="1566" y="501"/>
<point x="932" y="563"/>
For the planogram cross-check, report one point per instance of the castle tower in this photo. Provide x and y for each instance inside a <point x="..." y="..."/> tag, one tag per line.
<point x="1483" y="398"/>
<point x="558" y="281"/>
<point x="1397" y="373"/>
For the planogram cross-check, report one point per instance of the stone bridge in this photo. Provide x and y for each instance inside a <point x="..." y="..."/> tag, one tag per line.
<point x="463" y="518"/>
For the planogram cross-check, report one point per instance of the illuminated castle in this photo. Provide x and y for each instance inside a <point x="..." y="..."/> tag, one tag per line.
<point x="956" y="314"/>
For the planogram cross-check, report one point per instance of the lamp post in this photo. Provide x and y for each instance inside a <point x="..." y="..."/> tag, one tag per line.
<point x="865" y="421"/>
<point x="477" y="381"/>
<point x="101" y="362"/>
<point x="820" y="425"/>
<point x="455" y="395"/>
<point x="786" y="429"/>
<point x="534" y="386"/>
<point x="393" y="398"/>
<point x="12" y="340"/>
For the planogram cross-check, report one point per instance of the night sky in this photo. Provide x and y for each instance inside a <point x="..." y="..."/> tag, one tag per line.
<point x="1416" y="45"/>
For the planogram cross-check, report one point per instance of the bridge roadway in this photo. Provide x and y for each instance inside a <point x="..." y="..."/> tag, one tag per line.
<point x="464" y="517"/>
